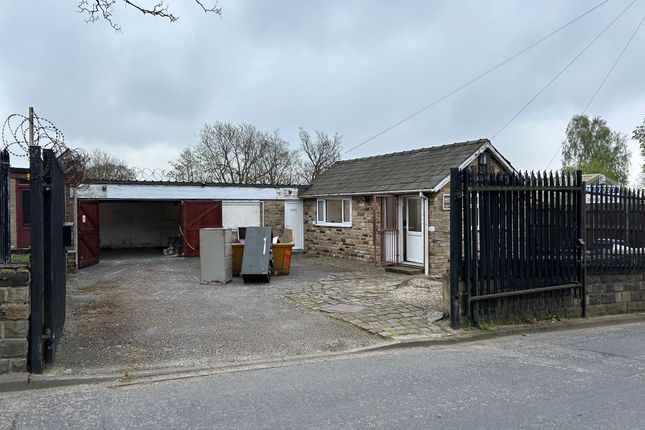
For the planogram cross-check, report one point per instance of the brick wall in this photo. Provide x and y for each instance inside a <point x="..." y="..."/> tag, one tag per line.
<point x="14" y="317"/>
<point x="274" y="216"/>
<point x="356" y="241"/>
<point x="615" y="293"/>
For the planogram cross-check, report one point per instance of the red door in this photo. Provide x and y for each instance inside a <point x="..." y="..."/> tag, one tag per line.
<point x="23" y="215"/>
<point x="88" y="233"/>
<point x="196" y="214"/>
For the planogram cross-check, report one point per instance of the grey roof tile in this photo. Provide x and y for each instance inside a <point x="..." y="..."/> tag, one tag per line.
<point x="419" y="169"/>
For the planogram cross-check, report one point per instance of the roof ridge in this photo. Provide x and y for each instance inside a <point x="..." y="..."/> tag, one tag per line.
<point x="425" y="148"/>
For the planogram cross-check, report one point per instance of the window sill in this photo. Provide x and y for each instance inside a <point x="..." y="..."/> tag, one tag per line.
<point x="329" y="224"/>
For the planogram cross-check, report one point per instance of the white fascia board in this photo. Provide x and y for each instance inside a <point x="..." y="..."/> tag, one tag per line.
<point x="183" y="192"/>
<point x="473" y="157"/>
<point x="379" y="193"/>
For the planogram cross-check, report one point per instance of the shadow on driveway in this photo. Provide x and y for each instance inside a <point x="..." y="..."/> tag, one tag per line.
<point x="133" y="312"/>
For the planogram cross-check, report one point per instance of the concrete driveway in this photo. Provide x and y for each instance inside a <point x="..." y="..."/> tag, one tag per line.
<point x="142" y="311"/>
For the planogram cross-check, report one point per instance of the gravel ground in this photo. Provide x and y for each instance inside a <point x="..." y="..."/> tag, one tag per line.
<point x="422" y="292"/>
<point x="136" y="311"/>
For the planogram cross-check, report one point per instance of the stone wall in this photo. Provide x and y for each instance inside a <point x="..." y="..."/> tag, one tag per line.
<point x="356" y="241"/>
<point x="274" y="216"/>
<point x="439" y="221"/>
<point x="14" y="317"/>
<point x="438" y="234"/>
<point x="615" y="294"/>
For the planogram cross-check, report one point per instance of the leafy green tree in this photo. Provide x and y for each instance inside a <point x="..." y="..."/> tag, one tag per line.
<point x="639" y="136"/>
<point x="593" y="147"/>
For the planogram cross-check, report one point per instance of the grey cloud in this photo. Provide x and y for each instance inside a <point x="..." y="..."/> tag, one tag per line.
<point x="349" y="66"/>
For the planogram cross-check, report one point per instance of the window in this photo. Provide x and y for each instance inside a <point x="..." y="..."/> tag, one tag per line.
<point x="446" y="202"/>
<point x="334" y="212"/>
<point x="414" y="214"/>
<point x="321" y="211"/>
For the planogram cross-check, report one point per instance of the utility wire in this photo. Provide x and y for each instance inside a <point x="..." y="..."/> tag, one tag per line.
<point x="478" y="77"/>
<point x="578" y="55"/>
<point x="611" y="69"/>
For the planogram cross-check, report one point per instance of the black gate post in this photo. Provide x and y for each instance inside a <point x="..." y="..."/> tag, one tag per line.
<point x="55" y="266"/>
<point x="455" y="243"/>
<point x="582" y="246"/>
<point x="37" y="261"/>
<point x="5" y="247"/>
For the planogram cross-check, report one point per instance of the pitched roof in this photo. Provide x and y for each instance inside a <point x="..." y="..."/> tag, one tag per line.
<point x="416" y="170"/>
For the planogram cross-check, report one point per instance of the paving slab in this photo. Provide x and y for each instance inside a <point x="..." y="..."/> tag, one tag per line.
<point x="393" y="306"/>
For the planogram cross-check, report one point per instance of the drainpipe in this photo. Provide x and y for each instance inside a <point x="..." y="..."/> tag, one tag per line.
<point x="424" y="216"/>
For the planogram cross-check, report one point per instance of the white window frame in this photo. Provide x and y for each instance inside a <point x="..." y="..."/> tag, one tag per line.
<point x="322" y="220"/>
<point x="445" y="203"/>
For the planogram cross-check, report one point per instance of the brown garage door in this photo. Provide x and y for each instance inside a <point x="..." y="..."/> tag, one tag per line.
<point x="88" y="233"/>
<point x="198" y="214"/>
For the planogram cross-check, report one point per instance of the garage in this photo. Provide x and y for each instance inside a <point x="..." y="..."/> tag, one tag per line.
<point x="150" y="217"/>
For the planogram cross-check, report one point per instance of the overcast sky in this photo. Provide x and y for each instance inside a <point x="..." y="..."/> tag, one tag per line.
<point x="354" y="67"/>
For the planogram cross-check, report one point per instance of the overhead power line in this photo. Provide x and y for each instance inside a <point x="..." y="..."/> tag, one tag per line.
<point x="602" y="83"/>
<point x="478" y="77"/>
<point x="573" y="60"/>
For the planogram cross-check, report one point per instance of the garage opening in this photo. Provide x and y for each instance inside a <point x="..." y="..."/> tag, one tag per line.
<point x="140" y="225"/>
<point x="149" y="227"/>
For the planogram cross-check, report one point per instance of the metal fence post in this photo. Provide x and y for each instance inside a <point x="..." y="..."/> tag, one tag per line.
<point x="582" y="226"/>
<point x="37" y="261"/>
<point x="455" y="243"/>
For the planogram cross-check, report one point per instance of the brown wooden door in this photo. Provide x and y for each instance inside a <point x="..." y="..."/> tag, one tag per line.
<point x="88" y="233"/>
<point x="23" y="215"/>
<point x="198" y="214"/>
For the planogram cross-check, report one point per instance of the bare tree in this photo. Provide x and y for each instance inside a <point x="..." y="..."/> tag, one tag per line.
<point x="279" y="163"/>
<point x="237" y="153"/>
<point x="230" y="153"/>
<point x="102" y="166"/>
<point x="187" y="168"/>
<point x="96" y="10"/>
<point x="319" y="154"/>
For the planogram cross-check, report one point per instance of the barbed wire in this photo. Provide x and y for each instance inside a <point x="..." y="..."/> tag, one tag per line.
<point x="15" y="137"/>
<point x="153" y="175"/>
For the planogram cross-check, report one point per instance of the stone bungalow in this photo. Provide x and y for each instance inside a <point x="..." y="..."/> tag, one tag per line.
<point x="392" y="209"/>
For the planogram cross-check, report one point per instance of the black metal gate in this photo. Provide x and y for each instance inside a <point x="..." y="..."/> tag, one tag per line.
<point x="48" y="257"/>
<point x="517" y="247"/>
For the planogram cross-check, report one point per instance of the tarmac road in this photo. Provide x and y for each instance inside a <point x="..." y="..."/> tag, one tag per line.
<point x="591" y="378"/>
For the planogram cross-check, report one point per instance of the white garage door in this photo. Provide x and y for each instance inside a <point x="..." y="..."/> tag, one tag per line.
<point x="241" y="214"/>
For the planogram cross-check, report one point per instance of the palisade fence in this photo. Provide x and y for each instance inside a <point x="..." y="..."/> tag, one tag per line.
<point x="615" y="229"/>
<point x="523" y="243"/>
<point x="517" y="241"/>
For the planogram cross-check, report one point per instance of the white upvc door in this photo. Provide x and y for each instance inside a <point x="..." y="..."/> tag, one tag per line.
<point x="414" y="230"/>
<point x="293" y="219"/>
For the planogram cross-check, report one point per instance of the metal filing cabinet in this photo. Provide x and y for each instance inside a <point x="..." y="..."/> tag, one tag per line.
<point x="216" y="255"/>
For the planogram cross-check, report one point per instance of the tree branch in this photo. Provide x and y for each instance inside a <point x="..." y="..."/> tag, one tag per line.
<point x="96" y="10"/>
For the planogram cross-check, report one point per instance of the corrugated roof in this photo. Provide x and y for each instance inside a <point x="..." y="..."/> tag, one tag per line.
<point x="419" y="169"/>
